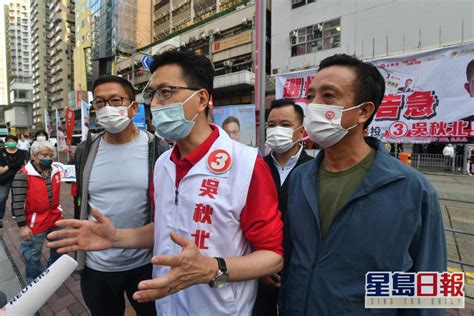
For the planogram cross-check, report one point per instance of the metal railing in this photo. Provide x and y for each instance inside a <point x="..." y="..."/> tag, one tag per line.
<point x="437" y="162"/>
<point x="464" y="266"/>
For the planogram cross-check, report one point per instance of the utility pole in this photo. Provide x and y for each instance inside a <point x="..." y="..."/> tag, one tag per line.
<point x="261" y="36"/>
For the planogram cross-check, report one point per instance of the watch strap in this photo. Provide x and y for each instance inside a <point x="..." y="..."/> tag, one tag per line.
<point x="222" y="266"/>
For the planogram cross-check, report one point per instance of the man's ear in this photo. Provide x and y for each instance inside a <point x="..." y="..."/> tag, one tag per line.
<point x="134" y="107"/>
<point x="302" y="131"/>
<point x="367" y="110"/>
<point x="467" y="86"/>
<point x="203" y="99"/>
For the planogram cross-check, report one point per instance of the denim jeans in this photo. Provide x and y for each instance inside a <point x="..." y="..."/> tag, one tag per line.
<point x="4" y="192"/>
<point x="31" y="252"/>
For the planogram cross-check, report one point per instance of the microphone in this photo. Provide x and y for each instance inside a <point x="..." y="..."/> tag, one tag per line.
<point x="35" y="294"/>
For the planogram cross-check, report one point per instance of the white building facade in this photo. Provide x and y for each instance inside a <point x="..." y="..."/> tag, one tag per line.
<point x="306" y="31"/>
<point x="18" y="113"/>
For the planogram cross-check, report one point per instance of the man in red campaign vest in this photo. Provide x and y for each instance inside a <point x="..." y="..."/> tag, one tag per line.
<point x="217" y="227"/>
<point x="35" y="192"/>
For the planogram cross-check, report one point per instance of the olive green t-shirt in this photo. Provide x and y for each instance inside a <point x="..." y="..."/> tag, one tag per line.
<point x="335" y="189"/>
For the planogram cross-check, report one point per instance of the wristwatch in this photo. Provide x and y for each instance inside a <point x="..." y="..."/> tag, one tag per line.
<point x="222" y="275"/>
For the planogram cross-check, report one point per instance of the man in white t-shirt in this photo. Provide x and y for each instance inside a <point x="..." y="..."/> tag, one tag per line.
<point x="114" y="171"/>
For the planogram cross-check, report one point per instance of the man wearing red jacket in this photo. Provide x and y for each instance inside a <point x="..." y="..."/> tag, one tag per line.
<point x="35" y="192"/>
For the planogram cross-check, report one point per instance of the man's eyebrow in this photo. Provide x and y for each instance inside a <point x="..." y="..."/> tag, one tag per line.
<point x="111" y="97"/>
<point x="329" y="86"/>
<point x="163" y="84"/>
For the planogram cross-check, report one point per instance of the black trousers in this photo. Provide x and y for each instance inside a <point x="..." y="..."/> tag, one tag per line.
<point x="266" y="302"/>
<point x="103" y="291"/>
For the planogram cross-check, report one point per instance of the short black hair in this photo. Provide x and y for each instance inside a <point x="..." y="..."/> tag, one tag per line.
<point x="231" y="119"/>
<point x="469" y="70"/>
<point x="41" y="132"/>
<point x="198" y="71"/>
<point x="279" y="103"/>
<point x="11" y="137"/>
<point x="369" y="84"/>
<point x="127" y="85"/>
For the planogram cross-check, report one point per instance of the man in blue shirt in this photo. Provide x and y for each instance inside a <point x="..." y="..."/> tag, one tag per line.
<point x="353" y="209"/>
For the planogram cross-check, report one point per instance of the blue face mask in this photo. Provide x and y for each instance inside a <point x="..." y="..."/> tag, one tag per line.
<point x="170" y="122"/>
<point x="45" y="163"/>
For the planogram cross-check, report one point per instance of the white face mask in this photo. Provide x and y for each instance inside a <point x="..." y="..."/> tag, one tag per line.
<point x="41" y="138"/>
<point x="323" y="123"/>
<point x="113" y="118"/>
<point x="280" y="139"/>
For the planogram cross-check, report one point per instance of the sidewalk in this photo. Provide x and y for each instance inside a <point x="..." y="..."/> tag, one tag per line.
<point x="68" y="298"/>
<point x="10" y="278"/>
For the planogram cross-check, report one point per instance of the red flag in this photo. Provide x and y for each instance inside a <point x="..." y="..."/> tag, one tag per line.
<point x="70" y="118"/>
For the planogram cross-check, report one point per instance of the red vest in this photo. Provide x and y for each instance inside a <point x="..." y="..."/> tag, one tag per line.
<point x="40" y="215"/>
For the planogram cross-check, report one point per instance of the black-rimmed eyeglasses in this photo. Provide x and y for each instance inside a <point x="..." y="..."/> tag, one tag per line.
<point x="115" y="101"/>
<point x="163" y="93"/>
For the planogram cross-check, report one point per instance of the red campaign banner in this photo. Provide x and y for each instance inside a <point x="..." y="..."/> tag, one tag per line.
<point x="70" y="118"/>
<point x="429" y="95"/>
<point x="294" y="86"/>
<point x="403" y="132"/>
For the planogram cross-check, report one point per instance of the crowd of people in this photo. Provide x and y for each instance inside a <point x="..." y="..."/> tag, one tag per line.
<point x="210" y="226"/>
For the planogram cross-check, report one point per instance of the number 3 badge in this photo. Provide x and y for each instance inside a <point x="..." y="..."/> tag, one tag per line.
<point x="219" y="161"/>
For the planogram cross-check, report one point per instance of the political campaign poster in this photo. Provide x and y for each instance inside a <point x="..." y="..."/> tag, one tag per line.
<point x="429" y="96"/>
<point x="67" y="172"/>
<point x="62" y="146"/>
<point x="238" y="121"/>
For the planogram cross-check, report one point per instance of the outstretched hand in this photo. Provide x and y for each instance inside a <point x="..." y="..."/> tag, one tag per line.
<point x="83" y="235"/>
<point x="188" y="268"/>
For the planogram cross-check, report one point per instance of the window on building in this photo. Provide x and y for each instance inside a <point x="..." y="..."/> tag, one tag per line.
<point x="317" y="37"/>
<point x="21" y="94"/>
<point x="299" y="3"/>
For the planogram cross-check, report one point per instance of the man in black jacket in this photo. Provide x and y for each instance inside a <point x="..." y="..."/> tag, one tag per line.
<point x="284" y="134"/>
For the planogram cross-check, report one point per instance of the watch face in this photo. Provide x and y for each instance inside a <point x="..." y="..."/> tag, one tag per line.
<point x="220" y="280"/>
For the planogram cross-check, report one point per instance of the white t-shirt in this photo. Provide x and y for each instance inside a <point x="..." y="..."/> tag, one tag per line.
<point x="23" y="145"/>
<point x="118" y="189"/>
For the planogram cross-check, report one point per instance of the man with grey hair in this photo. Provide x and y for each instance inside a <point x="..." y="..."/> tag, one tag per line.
<point x="35" y="193"/>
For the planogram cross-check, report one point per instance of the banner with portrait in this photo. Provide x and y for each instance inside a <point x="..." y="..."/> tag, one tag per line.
<point x="238" y="121"/>
<point x="429" y="96"/>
